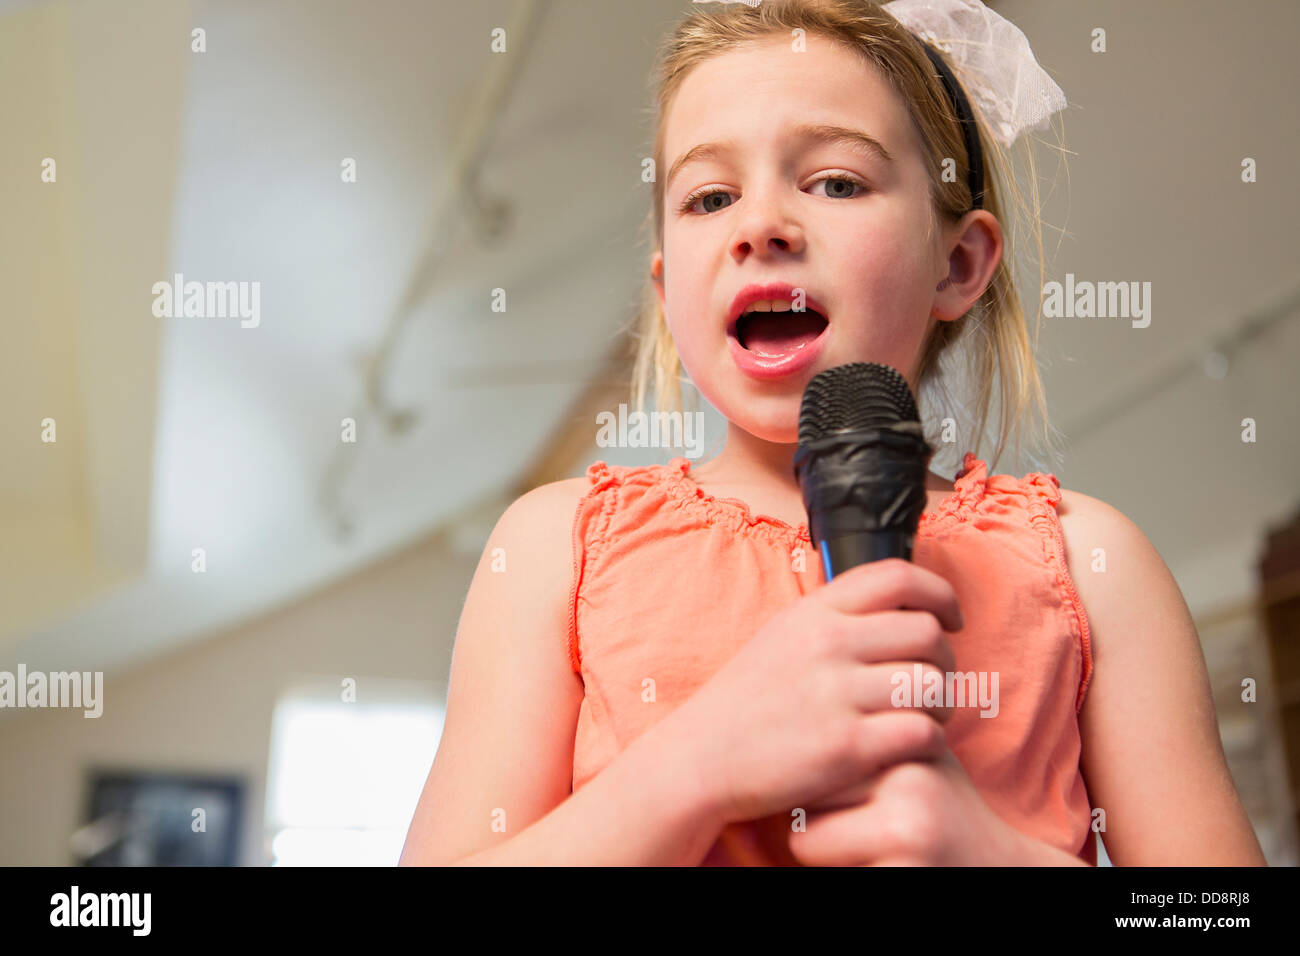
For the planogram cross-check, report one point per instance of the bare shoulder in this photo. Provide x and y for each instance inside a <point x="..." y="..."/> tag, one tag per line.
<point x="1119" y="575"/>
<point x="526" y="564"/>
<point x="1088" y="523"/>
<point x="1150" y="749"/>
<point x="533" y="536"/>
<point x="512" y="696"/>
<point x="540" y="513"/>
<point x="528" y="557"/>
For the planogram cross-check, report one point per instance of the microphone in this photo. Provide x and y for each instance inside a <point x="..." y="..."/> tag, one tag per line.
<point x="861" y="465"/>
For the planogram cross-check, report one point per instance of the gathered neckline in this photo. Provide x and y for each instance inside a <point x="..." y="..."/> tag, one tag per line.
<point x="968" y="488"/>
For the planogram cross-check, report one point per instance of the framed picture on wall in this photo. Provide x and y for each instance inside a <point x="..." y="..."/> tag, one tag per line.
<point x="147" y="818"/>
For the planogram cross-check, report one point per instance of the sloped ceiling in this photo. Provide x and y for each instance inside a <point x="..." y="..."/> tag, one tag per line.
<point x="196" y="433"/>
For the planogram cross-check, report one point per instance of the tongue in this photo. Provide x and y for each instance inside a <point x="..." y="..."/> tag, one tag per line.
<point x="774" y="334"/>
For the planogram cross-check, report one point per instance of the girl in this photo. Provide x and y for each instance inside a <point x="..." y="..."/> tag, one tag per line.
<point x="661" y="675"/>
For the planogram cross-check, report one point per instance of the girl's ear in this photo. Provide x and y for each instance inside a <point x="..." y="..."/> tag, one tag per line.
<point x="657" y="274"/>
<point x="971" y="264"/>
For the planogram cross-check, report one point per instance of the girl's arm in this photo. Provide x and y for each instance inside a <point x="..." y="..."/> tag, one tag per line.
<point x="499" y="788"/>
<point x="1152" y="757"/>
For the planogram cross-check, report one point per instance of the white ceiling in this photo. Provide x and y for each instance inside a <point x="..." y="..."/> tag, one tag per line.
<point x="247" y="420"/>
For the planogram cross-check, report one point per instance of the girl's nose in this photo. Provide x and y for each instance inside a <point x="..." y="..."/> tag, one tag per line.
<point x="767" y="233"/>
<point x="765" y="229"/>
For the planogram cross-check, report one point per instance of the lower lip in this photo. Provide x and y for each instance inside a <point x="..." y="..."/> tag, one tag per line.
<point x="774" y="367"/>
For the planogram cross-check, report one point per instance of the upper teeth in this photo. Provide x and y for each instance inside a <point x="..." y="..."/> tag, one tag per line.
<point x="768" y="305"/>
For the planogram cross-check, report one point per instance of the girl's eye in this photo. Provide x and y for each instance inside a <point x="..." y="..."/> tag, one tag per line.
<point x="846" y="183"/>
<point x="843" y="190"/>
<point x="701" y="195"/>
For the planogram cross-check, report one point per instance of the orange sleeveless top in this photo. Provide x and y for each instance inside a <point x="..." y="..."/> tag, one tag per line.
<point x="669" y="581"/>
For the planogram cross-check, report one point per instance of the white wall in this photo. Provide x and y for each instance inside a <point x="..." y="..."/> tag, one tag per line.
<point x="207" y="708"/>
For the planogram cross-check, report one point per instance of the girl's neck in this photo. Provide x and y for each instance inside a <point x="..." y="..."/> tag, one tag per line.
<point x="746" y="460"/>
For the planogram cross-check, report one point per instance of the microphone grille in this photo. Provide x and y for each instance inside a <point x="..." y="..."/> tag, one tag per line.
<point x="856" y="396"/>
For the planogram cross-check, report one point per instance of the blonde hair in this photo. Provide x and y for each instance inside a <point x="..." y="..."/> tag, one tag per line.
<point x="991" y="339"/>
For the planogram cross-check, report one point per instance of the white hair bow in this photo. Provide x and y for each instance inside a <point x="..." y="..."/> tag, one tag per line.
<point x="989" y="54"/>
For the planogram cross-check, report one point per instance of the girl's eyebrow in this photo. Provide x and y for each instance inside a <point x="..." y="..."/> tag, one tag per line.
<point x="818" y="132"/>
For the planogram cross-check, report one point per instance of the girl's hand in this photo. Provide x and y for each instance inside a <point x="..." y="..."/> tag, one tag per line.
<point x="917" y="814"/>
<point x="803" y="710"/>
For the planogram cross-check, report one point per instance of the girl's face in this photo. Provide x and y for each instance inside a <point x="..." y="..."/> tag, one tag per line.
<point x="857" y="249"/>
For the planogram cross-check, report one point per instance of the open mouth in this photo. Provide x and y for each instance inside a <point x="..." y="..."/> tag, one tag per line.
<point x="775" y="334"/>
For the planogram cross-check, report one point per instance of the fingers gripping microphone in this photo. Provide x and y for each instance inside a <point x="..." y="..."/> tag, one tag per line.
<point x="861" y="465"/>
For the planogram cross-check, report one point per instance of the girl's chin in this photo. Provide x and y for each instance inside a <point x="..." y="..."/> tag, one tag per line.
<point x="780" y="429"/>
<point x="770" y="418"/>
<point x="778" y="438"/>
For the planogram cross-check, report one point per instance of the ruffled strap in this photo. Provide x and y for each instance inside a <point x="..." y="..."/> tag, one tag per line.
<point x="731" y="513"/>
<point x="969" y="486"/>
<point x="974" y="481"/>
<point x="601" y="474"/>
<point x="592" y="520"/>
<point x="1039" y="493"/>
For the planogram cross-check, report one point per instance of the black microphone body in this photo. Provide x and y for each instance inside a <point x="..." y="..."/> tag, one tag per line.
<point x="861" y="465"/>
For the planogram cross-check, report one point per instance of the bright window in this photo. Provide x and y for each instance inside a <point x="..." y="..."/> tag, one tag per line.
<point x="345" y="776"/>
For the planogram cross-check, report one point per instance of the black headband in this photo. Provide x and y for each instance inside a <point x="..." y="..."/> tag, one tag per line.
<point x="969" y="131"/>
